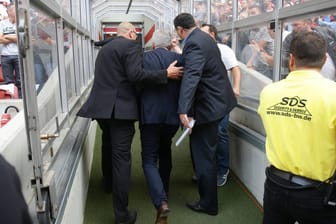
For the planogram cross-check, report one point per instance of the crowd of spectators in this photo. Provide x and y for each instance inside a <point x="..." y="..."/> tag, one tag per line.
<point x="255" y="46"/>
<point x="222" y="10"/>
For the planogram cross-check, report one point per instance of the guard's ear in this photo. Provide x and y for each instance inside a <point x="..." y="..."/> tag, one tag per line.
<point x="324" y="59"/>
<point x="291" y="62"/>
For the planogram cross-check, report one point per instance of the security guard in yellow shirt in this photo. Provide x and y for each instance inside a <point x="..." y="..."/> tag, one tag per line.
<point x="299" y="116"/>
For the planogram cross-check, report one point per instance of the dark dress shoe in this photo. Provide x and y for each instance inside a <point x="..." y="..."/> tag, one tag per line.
<point x="196" y="207"/>
<point x="131" y="218"/>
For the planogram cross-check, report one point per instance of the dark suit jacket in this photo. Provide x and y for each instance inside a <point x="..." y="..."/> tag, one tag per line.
<point x="205" y="86"/>
<point x="118" y="66"/>
<point x="159" y="102"/>
<point x="13" y="207"/>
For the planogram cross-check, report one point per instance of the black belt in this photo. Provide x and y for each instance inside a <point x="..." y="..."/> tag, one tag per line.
<point x="299" y="180"/>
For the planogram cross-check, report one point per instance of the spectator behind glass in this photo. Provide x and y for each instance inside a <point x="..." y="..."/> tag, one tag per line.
<point x="268" y="6"/>
<point x="306" y="25"/>
<point x="200" y="11"/>
<point x="255" y="56"/>
<point x="243" y="36"/>
<point x="9" y="51"/>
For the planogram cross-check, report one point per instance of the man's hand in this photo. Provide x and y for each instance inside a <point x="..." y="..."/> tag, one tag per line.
<point x="236" y="92"/>
<point x="175" y="46"/>
<point x="185" y="120"/>
<point x="174" y="72"/>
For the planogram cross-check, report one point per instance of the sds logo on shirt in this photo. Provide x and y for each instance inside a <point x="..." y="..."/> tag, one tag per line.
<point x="292" y="107"/>
<point x="293" y="101"/>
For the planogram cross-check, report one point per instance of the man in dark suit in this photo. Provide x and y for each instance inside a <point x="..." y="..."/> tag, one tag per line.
<point x="159" y="123"/>
<point x="206" y="92"/>
<point x="13" y="206"/>
<point x="113" y="103"/>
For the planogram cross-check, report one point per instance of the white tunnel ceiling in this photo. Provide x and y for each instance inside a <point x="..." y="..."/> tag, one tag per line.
<point x="157" y="10"/>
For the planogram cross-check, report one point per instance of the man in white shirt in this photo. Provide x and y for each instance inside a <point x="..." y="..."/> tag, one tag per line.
<point x="231" y="64"/>
<point x="9" y="52"/>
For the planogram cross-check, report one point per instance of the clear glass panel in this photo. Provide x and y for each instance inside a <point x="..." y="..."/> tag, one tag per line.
<point x="81" y="61"/>
<point x="225" y="38"/>
<point x="45" y="57"/>
<point x="221" y="12"/>
<point x="91" y="59"/>
<point x="83" y="13"/>
<point x="323" y="24"/>
<point x="185" y="5"/>
<point x="289" y="3"/>
<point x="69" y="62"/>
<point x="75" y="11"/>
<point x="256" y="48"/>
<point x="85" y="59"/>
<point x="66" y="4"/>
<point x="88" y="17"/>
<point x="44" y="46"/>
<point x="201" y="11"/>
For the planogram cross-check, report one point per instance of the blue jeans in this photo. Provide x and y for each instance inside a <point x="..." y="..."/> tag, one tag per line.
<point x="156" y="142"/>
<point x="223" y="148"/>
<point x="10" y="63"/>
<point x="40" y="76"/>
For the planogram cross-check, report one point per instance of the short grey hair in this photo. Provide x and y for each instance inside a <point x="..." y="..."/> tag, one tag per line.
<point x="161" y="38"/>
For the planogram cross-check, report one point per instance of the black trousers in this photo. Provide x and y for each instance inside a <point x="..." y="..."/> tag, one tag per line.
<point x="117" y="136"/>
<point x="203" y="142"/>
<point x="286" y="206"/>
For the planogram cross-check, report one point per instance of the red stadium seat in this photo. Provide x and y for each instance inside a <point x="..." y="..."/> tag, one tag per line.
<point x="9" y="91"/>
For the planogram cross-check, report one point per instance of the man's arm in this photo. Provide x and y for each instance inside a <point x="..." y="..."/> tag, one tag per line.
<point x="12" y="38"/>
<point x="194" y="63"/>
<point x="230" y="61"/>
<point x="235" y="71"/>
<point x="136" y="73"/>
<point x="4" y="39"/>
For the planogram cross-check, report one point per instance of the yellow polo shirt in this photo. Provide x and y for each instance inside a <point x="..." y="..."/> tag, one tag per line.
<point x="299" y="117"/>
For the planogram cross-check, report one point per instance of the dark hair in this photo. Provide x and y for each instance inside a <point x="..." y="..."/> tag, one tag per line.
<point x="212" y="29"/>
<point x="309" y="49"/>
<point x="184" y="20"/>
